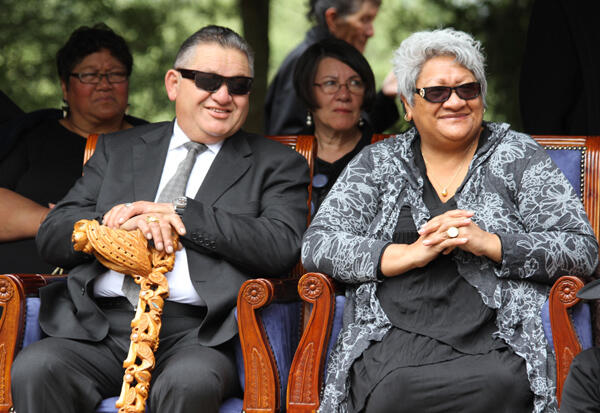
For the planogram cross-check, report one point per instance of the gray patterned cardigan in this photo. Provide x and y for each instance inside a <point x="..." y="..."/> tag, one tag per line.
<point x="516" y="192"/>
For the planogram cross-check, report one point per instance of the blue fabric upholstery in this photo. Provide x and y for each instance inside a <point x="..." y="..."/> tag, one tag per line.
<point x="338" y="316"/>
<point x="570" y="162"/>
<point x="282" y="325"/>
<point x="280" y="320"/>
<point x="32" y="332"/>
<point x="582" y="322"/>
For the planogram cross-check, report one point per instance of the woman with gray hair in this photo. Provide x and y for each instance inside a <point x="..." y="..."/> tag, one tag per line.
<point x="448" y="239"/>
<point x="348" y="20"/>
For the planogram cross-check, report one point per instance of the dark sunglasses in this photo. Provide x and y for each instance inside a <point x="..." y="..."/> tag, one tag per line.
<point x="439" y="94"/>
<point x="211" y="82"/>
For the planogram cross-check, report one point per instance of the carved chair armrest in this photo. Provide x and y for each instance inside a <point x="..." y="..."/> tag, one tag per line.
<point x="566" y="343"/>
<point x="262" y="381"/>
<point x="14" y="288"/>
<point x="306" y="373"/>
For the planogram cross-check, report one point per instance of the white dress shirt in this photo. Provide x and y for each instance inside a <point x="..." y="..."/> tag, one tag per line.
<point x="181" y="288"/>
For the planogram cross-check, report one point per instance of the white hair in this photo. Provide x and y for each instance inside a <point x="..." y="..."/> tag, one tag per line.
<point x="419" y="47"/>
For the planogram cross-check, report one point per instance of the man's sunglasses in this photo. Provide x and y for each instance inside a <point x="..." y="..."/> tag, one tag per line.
<point x="439" y="94"/>
<point x="211" y="82"/>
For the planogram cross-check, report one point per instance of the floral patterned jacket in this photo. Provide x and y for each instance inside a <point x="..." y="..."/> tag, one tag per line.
<point x="516" y="192"/>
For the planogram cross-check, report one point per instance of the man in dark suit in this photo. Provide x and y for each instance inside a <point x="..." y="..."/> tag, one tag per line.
<point x="243" y="215"/>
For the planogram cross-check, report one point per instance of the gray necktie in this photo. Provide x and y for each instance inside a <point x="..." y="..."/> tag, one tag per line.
<point x="174" y="188"/>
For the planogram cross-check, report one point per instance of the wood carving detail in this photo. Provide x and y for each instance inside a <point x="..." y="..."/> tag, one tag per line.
<point x="3" y="389"/>
<point x="259" y="369"/>
<point x="128" y="252"/>
<point x="567" y="358"/>
<point x="567" y="292"/>
<point x="302" y="380"/>
<point x="6" y="290"/>
<point x="310" y="287"/>
<point x="255" y="294"/>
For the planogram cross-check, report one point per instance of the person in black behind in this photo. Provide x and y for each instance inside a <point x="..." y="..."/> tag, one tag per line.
<point x="335" y="82"/>
<point x="349" y="20"/>
<point x="47" y="146"/>
<point x="560" y="74"/>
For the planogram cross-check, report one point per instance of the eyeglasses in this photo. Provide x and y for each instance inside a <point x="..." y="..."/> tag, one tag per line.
<point x="95" y="78"/>
<point x="439" y="94"/>
<point x="211" y="82"/>
<point x="331" y="87"/>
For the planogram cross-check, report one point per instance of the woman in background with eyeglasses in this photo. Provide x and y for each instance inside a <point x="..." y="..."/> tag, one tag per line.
<point x="335" y="82"/>
<point x="448" y="239"/>
<point x="46" y="155"/>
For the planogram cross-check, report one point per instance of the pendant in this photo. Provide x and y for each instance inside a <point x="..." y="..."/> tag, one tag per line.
<point x="444" y="192"/>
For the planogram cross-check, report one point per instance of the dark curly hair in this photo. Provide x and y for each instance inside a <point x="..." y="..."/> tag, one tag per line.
<point x="86" y="40"/>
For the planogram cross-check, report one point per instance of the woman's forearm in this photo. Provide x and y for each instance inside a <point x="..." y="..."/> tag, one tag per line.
<point x="20" y="217"/>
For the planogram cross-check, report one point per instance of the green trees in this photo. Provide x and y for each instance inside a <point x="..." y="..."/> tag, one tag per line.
<point x="31" y="32"/>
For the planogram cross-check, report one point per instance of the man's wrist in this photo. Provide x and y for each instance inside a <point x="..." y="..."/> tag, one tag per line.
<point x="179" y="205"/>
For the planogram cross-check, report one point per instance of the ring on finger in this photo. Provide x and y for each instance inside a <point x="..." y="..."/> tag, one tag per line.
<point x="150" y="219"/>
<point x="452" y="232"/>
<point x="129" y="204"/>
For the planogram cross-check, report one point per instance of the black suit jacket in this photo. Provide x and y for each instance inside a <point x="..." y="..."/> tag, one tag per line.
<point x="246" y="220"/>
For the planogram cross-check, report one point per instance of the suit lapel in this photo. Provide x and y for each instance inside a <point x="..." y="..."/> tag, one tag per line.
<point x="150" y="151"/>
<point x="232" y="161"/>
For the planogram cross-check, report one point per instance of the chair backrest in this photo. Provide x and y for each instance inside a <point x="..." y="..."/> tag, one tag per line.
<point x="305" y="146"/>
<point x="579" y="159"/>
<point x="90" y="147"/>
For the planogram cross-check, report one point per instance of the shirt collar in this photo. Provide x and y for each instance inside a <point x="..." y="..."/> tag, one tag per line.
<point x="179" y="138"/>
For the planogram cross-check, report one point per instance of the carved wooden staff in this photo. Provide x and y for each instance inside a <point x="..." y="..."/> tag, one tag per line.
<point x="128" y="252"/>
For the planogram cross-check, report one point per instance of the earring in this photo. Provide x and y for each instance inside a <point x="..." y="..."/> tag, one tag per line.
<point x="406" y="118"/>
<point x="308" y="119"/>
<point x="65" y="108"/>
<point x="361" y="122"/>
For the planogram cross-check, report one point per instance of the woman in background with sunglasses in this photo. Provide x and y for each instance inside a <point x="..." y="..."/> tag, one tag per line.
<point x="448" y="238"/>
<point x="335" y="82"/>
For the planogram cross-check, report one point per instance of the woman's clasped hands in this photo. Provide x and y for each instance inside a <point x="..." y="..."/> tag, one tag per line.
<point x="441" y="235"/>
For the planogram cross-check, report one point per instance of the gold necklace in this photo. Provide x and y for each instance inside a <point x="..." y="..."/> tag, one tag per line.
<point x="444" y="191"/>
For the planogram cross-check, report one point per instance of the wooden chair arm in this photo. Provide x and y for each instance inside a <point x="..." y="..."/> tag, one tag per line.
<point x="262" y="386"/>
<point x="306" y="373"/>
<point x="14" y="288"/>
<point x="12" y="303"/>
<point x="566" y="343"/>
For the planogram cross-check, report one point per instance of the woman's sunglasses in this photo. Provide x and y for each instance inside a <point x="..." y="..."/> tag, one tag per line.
<point x="211" y="82"/>
<point x="439" y="94"/>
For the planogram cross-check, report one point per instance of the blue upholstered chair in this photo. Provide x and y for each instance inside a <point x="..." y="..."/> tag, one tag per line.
<point x="567" y="322"/>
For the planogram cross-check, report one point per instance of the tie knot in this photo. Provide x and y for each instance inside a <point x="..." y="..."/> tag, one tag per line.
<point x="194" y="147"/>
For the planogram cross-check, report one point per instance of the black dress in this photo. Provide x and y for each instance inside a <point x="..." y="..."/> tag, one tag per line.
<point x="440" y="355"/>
<point x="42" y="166"/>
<point x="325" y="174"/>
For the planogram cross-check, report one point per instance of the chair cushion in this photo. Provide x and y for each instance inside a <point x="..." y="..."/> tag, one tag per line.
<point x="32" y="332"/>
<point x="230" y="406"/>
<point x="282" y="326"/>
<point x="569" y="161"/>
<point x="336" y="326"/>
<point x="582" y="322"/>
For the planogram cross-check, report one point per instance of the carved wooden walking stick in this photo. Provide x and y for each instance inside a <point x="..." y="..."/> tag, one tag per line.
<point x="128" y="252"/>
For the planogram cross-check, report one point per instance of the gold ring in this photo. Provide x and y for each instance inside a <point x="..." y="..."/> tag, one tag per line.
<point x="128" y="204"/>
<point x="452" y="232"/>
<point x="150" y="219"/>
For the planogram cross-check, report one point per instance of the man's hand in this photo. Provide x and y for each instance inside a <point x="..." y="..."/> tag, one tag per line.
<point x="155" y="220"/>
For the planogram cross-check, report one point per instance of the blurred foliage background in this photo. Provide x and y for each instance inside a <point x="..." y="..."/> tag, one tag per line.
<point x="31" y="31"/>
